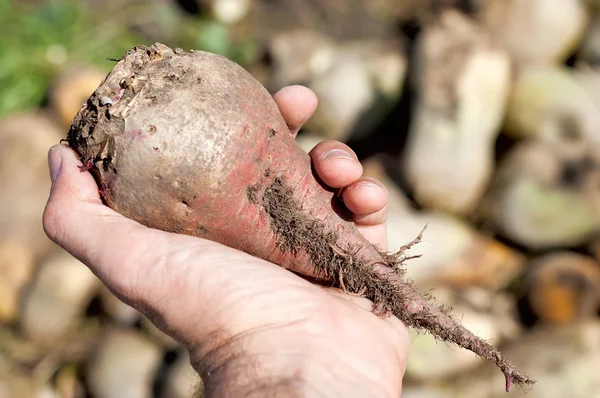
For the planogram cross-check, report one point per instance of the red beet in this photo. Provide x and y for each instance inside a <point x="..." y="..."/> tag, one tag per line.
<point x="192" y="143"/>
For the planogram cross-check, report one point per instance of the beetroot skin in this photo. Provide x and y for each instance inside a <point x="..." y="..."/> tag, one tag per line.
<point x="191" y="143"/>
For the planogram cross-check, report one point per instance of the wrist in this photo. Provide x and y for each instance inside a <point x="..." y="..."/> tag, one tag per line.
<point x="277" y="363"/>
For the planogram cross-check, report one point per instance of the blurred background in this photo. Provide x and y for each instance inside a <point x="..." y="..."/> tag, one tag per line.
<point x="481" y="117"/>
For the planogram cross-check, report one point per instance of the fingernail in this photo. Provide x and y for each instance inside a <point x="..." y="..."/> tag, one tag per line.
<point x="338" y="154"/>
<point x="367" y="184"/>
<point x="54" y="163"/>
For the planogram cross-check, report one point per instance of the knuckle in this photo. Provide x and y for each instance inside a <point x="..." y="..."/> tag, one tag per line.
<point x="51" y="222"/>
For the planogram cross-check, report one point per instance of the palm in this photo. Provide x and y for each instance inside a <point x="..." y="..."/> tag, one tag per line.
<point x="258" y="296"/>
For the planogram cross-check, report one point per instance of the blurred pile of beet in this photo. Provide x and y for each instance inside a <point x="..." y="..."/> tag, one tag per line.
<point x="482" y="118"/>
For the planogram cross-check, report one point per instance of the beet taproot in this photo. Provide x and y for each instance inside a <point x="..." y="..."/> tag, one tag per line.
<point x="191" y="143"/>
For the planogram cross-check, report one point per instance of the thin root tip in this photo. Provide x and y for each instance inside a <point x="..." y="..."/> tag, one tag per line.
<point x="517" y="378"/>
<point x="508" y="382"/>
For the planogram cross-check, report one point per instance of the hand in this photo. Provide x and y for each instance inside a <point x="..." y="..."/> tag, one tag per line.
<point x="250" y="326"/>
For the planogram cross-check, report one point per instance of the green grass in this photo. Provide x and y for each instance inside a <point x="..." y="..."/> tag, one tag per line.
<point x="215" y="37"/>
<point x="38" y="41"/>
<point x="35" y="42"/>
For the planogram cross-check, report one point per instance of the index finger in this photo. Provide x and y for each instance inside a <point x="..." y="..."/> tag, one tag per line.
<point x="296" y="104"/>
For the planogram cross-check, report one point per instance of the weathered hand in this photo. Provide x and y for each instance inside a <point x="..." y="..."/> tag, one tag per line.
<point x="251" y="326"/>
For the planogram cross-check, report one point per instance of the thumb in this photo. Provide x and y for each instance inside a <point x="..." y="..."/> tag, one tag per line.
<point x="76" y="219"/>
